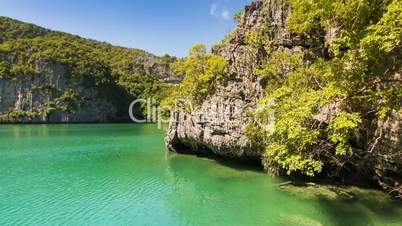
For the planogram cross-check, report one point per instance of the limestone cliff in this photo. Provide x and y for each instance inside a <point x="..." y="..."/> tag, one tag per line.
<point x="53" y="77"/>
<point x="218" y="126"/>
<point x="46" y="94"/>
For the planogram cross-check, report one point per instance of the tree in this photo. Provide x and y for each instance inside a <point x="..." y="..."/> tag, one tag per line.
<point x="358" y="82"/>
<point x="201" y="72"/>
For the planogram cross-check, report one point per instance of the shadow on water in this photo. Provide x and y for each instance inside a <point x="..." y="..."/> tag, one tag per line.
<point x="342" y="212"/>
<point x="338" y="204"/>
<point x="354" y="206"/>
<point x="249" y="165"/>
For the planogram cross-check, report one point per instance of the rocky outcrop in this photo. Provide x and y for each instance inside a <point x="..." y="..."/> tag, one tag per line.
<point x="386" y="152"/>
<point x="53" y="77"/>
<point x="53" y="96"/>
<point x="385" y="149"/>
<point x="218" y="126"/>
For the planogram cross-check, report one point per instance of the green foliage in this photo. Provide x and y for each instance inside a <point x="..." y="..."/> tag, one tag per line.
<point x="23" y="47"/>
<point x="258" y="38"/>
<point x="351" y="16"/>
<point x="224" y="42"/>
<point x="48" y="88"/>
<point x="67" y="102"/>
<point x="386" y="35"/>
<point x="4" y="68"/>
<point x="293" y="95"/>
<point x="297" y="99"/>
<point x="12" y="29"/>
<point x="359" y="81"/>
<point x="197" y="51"/>
<point x="280" y="64"/>
<point x="19" y="114"/>
<point x="341" y="128"/>
<point x="279" y="156"/>
<point x="238" y="17"/>
<point x="201" y="73"/>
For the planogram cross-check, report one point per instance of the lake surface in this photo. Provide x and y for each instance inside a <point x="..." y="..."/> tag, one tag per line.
<point x="120" y="174"/>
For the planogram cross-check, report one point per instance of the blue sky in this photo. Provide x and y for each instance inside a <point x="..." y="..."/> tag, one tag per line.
<point x="158" y="26"/>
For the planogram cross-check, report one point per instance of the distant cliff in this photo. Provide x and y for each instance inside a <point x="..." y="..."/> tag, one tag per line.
<point x="49" y="76"/>
<point x="331" y="80"/>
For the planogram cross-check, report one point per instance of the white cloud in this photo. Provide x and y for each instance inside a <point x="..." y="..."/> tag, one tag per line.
<point x="225" y="14"/>
<point x="213" y="9"/>
<point x="219" y="10"/>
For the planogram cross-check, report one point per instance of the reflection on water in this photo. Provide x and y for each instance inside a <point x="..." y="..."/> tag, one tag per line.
<point x="121" y="175"/>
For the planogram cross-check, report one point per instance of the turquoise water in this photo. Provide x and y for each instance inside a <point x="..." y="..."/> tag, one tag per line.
<point x="121" y="175"/>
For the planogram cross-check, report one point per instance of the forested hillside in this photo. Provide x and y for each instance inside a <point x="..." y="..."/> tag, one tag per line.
<point x="53" y="76"/>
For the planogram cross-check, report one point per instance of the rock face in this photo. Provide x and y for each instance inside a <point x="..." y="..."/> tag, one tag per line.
<point x="55" y="96"/>
<point x="29" y="93"/>
<point x="39" y="82"/>
<point x="218" y="126"/>
<point x="386" y="148"/>
<point x="387" y="153"/>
